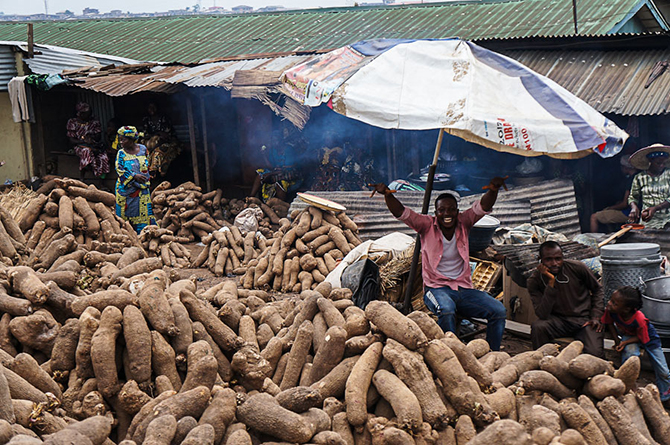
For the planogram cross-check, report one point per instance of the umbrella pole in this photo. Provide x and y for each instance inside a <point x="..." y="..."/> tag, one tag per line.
<point x="424" y="210"/>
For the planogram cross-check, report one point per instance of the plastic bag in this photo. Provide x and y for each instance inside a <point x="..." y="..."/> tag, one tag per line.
<point x="247" y="219"/>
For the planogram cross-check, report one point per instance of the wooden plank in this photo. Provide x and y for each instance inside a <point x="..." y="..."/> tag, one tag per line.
<point x="208" y="168"/>
<point x="191" y="133"/>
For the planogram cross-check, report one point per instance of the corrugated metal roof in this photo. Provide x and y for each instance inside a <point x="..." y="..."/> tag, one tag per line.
<point x="550" y="204"/>
<point x="220" y="74"/>
<point x="49" y="59"/>
<point x="121" y="85"/>
<point x="7" y="66"/>
<point x="609" y="81"/>
<point x="193" y="38"/>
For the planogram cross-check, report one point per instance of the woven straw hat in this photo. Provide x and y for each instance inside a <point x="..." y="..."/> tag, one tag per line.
<point x="639" y="158"/>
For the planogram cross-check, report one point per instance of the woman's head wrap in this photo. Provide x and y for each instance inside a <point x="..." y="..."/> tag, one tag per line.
<point x="129" y="132"/>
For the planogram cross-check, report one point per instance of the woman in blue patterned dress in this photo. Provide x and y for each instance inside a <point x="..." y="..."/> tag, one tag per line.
<point x="133" y="199"/>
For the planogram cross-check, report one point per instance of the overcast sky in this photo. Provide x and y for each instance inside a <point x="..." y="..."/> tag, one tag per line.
<point x="76" y="6"/>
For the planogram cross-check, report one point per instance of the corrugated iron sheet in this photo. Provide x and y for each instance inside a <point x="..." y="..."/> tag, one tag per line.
<point x="7" y="66"/>
<point x="609" y="81"/>
<point x="660" y="237"/>
<point x="193" y="38"/>
<point x="550" y="204"/>
<point x="53" y="60"/>
<point x="220" y="74"/>
<point x="124" y="84"/>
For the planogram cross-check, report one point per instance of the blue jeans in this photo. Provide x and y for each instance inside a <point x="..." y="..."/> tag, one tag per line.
<point x="658" y="362"/>
<point x="444" y="302"/>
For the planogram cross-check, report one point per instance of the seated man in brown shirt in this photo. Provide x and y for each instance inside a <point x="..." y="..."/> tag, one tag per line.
<point x="568" y="301"/>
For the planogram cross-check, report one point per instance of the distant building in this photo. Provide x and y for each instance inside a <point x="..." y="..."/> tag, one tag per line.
<point x="242" y="9"/>
<point x="91" y="11"/>
<point x="271" y="8"/>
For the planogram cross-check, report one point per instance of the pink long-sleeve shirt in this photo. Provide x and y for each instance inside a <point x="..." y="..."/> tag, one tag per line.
<point x="431" y="245"/>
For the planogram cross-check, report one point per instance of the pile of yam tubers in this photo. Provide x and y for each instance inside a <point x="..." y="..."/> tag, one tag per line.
<point x="156" y="360"/>
<point x="72" y="217"/>
<point x="298" y="256"/>
<point x="186" y="211"/>
<point x="302" y="253"/>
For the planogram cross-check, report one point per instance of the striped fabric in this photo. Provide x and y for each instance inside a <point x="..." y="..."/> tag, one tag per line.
<point x="651" y="191"/>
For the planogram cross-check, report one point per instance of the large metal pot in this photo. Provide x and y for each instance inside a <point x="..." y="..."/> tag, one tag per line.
<point x="658" y="288"/>
<point x="657" y="311"/>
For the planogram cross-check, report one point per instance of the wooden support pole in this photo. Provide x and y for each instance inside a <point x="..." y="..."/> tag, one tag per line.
<point x="205" y="144"/>
<point x="191" y="133"/>
<point x="31" y="41"/>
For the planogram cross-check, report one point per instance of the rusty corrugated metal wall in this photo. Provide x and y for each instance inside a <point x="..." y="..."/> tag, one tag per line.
<point x="550" y="204"/>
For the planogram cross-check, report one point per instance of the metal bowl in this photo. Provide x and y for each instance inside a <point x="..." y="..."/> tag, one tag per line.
<point x="657" y="311"/>
<point x="658" y="288"/>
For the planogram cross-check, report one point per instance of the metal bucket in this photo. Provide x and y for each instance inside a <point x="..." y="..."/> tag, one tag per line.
<point x="657" y="311"/>
<point x="658" y="288"/>
<point x="626" y="264"/>
<point x="482" y="233"/>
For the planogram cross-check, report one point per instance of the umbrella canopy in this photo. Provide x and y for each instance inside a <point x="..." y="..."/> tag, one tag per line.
<point x="469" y="91"/>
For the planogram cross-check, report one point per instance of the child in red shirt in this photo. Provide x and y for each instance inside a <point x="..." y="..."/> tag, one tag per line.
<point x="623" y="317"/>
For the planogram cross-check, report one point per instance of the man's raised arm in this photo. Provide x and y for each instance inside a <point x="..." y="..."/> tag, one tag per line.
<point x="392" y="203"/>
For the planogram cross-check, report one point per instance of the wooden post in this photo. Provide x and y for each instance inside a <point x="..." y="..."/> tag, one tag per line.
<point x="205" y="143"/>
<point x="191" y="133"/>
<point x="31" y="40"/>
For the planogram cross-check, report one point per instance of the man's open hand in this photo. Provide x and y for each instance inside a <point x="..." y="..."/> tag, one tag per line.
<point x="596" y="324"/>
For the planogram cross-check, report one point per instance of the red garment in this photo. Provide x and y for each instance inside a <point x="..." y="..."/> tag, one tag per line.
<point x="98" y="160"/>
<point x="636" y="326"/>
<point x="431" y="245"/>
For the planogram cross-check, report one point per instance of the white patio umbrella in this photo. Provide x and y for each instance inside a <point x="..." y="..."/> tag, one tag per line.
<point x="458" y="87"/>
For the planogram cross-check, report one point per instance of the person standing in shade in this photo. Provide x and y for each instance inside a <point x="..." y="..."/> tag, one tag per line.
<point x="84" y="133"/>
<point x="649" y="197"/>
<point x="133" y="199"/>
<point x="445" y="260"/>
<point x="568" y="301"/>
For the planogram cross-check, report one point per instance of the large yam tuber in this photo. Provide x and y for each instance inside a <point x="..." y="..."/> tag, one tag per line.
<point x="37" y="331"/>
<point x="32" y="212"/>
<point x="466" y="399"/>
<point x="395" y="325"/>
<point x="405" y="405"/>
<point x="585" y="366"/>
<point x="137" y="336"/>
<point x="220" y="412"/>
<point x="503" y="432"/>
<point x="163" y="359"/>
<point x="26" y="282"/>
<point x="620" y="422"/>
<point x="658" y="418"/>
<point x="358" y="383"/>
<point x="156" y="309"/>
<point x="65" y="214"/>
<point x="262" y="413"/>
<point x="412" y="370"/>
<point x="100" y="300"/>
<point x="188" y="403"/>
<point x="575" y="417"/>
<point x="103" y="351"/>
<point x="63" y="356"/>
<point x="298" y="355"/>
<point x="538" y="380"/>
<point x="200" y="311"/>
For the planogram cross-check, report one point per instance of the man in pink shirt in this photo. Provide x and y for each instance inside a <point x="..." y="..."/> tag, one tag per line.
<point x="445" y="260"/>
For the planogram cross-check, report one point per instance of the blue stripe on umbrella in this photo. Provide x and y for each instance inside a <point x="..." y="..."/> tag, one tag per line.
<point x="583" y="135"/>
